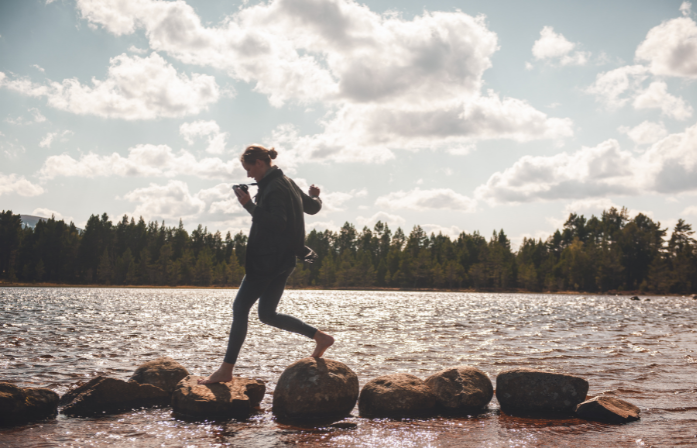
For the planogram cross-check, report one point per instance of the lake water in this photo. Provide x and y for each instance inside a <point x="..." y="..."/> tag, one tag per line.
<point x="644" y="352"/>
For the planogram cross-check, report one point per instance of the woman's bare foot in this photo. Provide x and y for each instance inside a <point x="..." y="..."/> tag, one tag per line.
<point x="324" y="341"/>
<point x="222" y="375"/>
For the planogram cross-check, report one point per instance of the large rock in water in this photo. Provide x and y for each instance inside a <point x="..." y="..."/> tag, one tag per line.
<point x="314" y="389"/>
<point x="109" y="395"/>
<point x="236" y="399"/>
<point x="608" y="410"/>
<point x="461" y="389"/>
<point x="527" y="390"/>
<point x="25" y="404"/>
<point x="163" y="372"/>
<point x="395" y="396"/>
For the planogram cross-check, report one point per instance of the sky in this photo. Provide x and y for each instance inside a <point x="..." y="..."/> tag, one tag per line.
<point x="453" y="115"/>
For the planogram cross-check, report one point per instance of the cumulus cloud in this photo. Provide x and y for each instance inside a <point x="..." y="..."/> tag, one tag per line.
<point x="657" y="96"/>
<point x="208" y="129"/>
<point x="48" y="139"/>
<point x="646" y="132"/>
<point x="170" y="201"/>
<point x="451" y="231"/>
<point x="142" y="160"/>
<point x="691" y="210"/>
<point x="387" y="82"/>
<point x="16" y="184"/>
<point x="668" y="166"/>
<point x="136" y="88"/>
<point x="671" y="48"/>
<point x="553" y="46"/>
<point x="433" y="199"/>
<point x="36" y="116"/>
<point x="332" y="202"/>
<point x="615" y="87"/>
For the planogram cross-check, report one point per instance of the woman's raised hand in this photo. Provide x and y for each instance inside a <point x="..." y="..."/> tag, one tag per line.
<point x="314" y="190"/>
<point x="242" y="196"/>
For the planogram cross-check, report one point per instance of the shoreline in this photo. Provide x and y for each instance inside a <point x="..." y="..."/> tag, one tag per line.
<point x="4" y="284"/>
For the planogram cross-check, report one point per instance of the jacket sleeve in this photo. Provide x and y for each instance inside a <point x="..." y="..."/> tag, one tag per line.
<point x="311" y="204"/>
<point x="273" y="214"/>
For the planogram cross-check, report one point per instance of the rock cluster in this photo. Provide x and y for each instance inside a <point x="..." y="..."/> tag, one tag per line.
<point x="25" y="404"/>
<point x="314" y="388"/>
<point x="237" y="398"/>
<point x="528" y="390"/>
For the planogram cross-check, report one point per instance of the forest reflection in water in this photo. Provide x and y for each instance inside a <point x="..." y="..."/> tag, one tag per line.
<point x="641" y="351"/>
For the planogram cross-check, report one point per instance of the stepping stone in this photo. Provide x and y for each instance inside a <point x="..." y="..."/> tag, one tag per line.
<point x="461" y="390"/>
<point x="608" y="410"/>
<point x="20" y="405"/>
<point x="236" y="399"/>
<point x="397" y="395"/>
<point x="528" y="390"/>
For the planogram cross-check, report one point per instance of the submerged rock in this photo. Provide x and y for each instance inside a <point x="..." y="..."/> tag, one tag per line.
<point x="163" y="372"/>
<point x="461" y="389"/>
<point x="635" y="298"/>
<point x="236" y="399"/>
<point x="109" y="395"/>
<point x="395" y="396"/>
<point x="316" y="389"/>
<point x="608" y="410"/>
<point x="25" y="404"/>
<point x="528" y="390"/>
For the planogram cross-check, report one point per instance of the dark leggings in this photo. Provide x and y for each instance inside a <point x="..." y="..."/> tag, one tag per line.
<point x="269" y="292"/>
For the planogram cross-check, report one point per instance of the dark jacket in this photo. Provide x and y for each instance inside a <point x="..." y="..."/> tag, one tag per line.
<point x="277" y="235"/>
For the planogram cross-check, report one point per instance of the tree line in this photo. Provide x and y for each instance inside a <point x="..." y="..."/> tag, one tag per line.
<point x="609" y="253"/>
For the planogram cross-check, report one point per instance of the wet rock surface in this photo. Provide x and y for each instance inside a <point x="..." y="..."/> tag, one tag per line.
<point x="396" y="396"/>
<point x="315" y="389"/>
<point x="528" y="390"/>
<point x="236" y="399"/>
<point x="461" y="389"/>
<point x="163" y="372"/>
<point x="110" y="395"/>
<point x="20" y="405"/>
<point x="608" y="410"/>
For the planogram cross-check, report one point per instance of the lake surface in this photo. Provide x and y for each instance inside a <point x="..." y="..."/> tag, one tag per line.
<point x="643" y="351"/>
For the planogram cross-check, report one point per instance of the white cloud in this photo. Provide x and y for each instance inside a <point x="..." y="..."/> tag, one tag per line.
<point x="668" y="166"/>
<point x="614" y="86"/>
<point x="12" y="150"/>
<point x="332" y="202"/>
<point x="671" y="48"/>
<point x="433" y="199"/>
<point x="451" y="231"/>
<point x="657" y="96"/>
<point x="646" y="132"/>
<point x="39" y="68"/>
<point x="691" y="210"/>
<point x="686" y="8"/>
<point x="387" y="82"/>
<point x="15" y="184"/>
<point x="142" y="160"/>
<point x="393" y="221"/>
<point x="48" y="139"/>
<point x="37" y="116"/>
<point x="136" y="50"/>
<point x="554" y="46"/>
<point x="47" y="213"/>
<point x="136" y="88"/>
<point x="171" y="201"/>
<point x="209" y="129"/>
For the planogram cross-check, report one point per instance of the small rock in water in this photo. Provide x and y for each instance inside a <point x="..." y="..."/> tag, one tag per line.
<point x="163" y="372"/>
<point x="528" y="390"/>
<point x="635" y="298"/>
<point x="236" y="399"/>
<point x="461" y="389"/>
<point x="608" y="410"/>
<point x="395" y="396"/>
<point x="315" y="388"/>
<point x="25" y="404"/>
<point x="109" y="395"/>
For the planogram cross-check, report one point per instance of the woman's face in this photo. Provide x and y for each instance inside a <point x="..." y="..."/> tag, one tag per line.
<point x="255" y="170"/>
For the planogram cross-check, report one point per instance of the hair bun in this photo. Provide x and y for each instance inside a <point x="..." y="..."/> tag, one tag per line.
<point x="273" y="153"/>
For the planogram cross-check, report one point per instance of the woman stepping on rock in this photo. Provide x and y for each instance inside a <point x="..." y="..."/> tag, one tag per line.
<point x="276" y="238"/>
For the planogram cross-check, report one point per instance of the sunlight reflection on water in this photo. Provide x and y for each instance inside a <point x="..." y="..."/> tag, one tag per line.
<point x="641" y="351"/>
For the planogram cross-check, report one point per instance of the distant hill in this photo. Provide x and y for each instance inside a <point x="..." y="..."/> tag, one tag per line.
<point x="31" y="221"/>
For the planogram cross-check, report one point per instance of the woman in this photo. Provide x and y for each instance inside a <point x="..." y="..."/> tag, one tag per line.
<point x="276" y="238"/>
